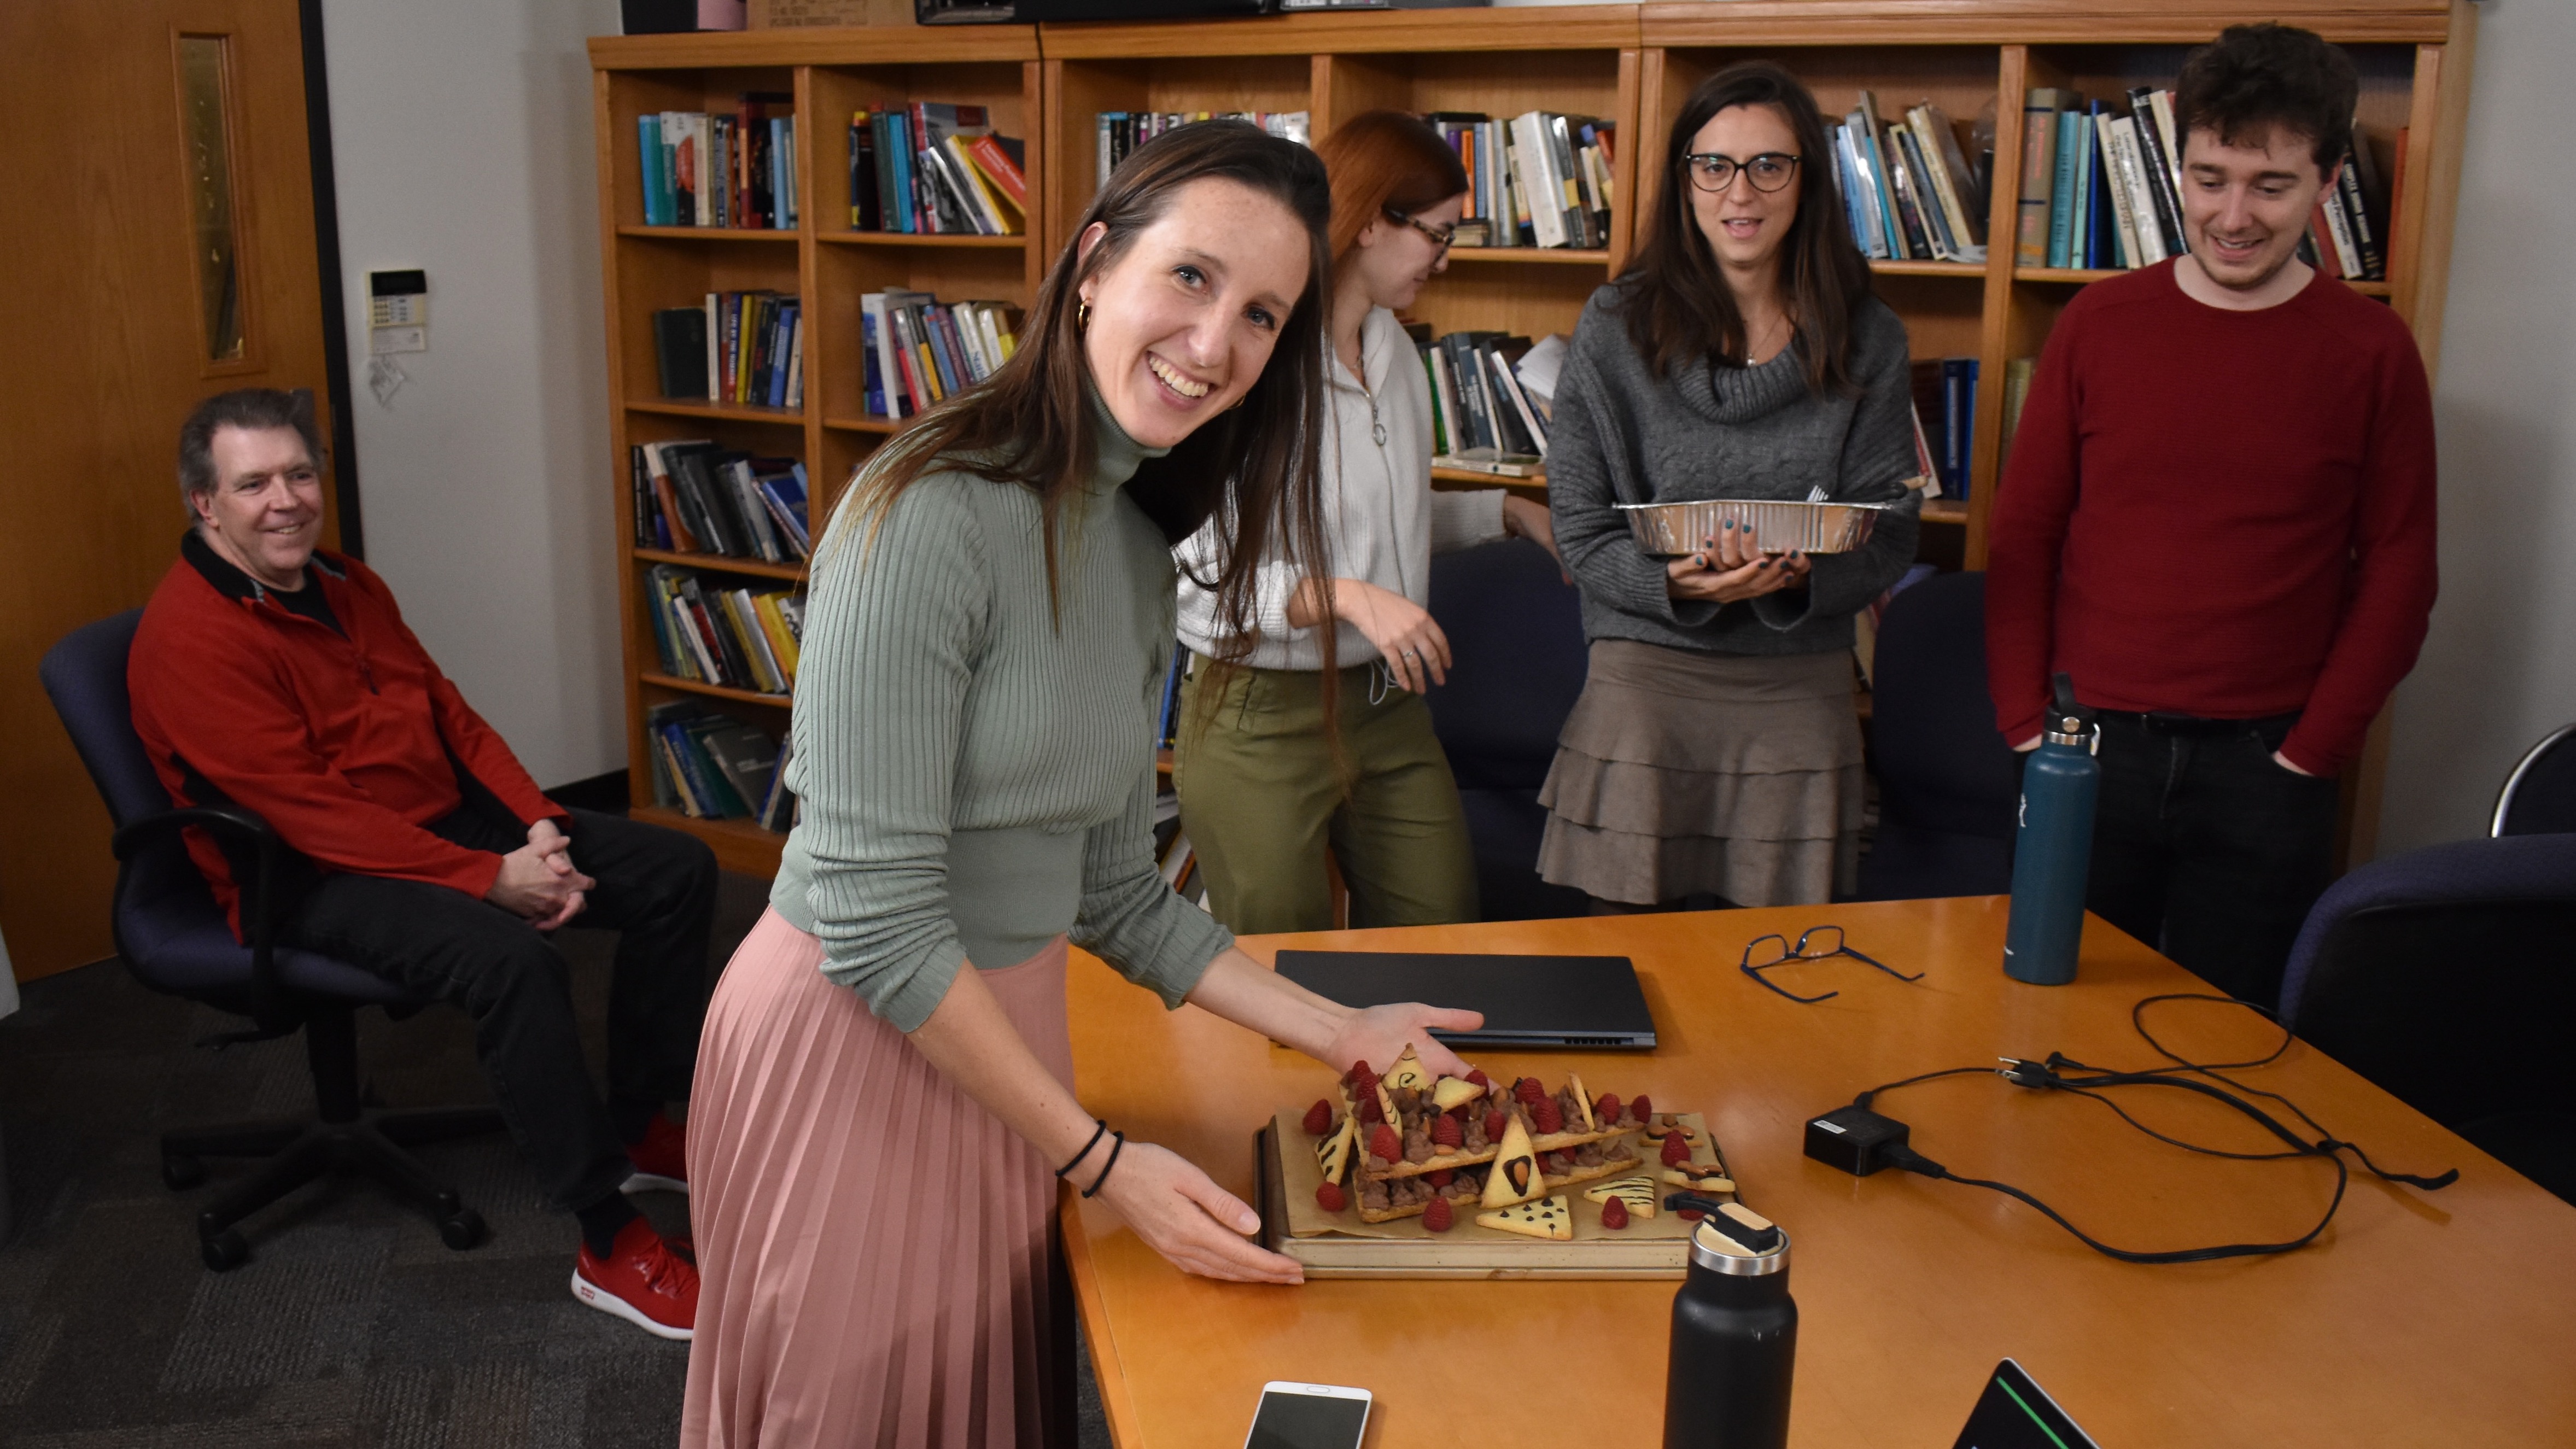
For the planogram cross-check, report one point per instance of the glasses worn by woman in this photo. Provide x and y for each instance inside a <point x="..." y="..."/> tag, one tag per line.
<point x="1716" y="171"/>
<point x="1442" y="237"/>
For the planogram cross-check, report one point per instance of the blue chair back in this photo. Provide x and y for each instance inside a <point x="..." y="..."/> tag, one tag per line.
<point x="1948" y="785"/>
<point x="167" y="926"/>
<point x="2446" y="976"/>
<point x="1519" y="659"/>
<point x="2539" y="797"/>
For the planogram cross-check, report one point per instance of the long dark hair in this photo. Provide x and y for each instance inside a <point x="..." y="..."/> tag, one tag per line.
<point x="1675" y="300"/>
<point x="1031" y="423"/>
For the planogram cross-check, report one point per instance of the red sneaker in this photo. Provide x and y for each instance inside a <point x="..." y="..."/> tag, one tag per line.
<point x="641" y="1281"/>
<point x="661" y="1159"/>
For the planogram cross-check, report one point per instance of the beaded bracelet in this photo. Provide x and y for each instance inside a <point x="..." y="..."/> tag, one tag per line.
<point x="1120" y="1145"/>
<point x="1101" y="1130"/>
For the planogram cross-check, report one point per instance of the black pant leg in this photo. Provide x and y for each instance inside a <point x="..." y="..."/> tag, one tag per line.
<point x="2131" y="857"/>
<point x="518" y="991"/>
<point x="2254" y="844"/>
<point x="657" y="888"/>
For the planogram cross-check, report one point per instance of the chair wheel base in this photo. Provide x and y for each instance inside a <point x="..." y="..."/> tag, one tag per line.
<point x="224" y="1251"/>
<point x="180" y="1172"/>
<point x="462" y="1230"/>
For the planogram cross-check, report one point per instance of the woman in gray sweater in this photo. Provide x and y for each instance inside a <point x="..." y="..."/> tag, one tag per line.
<point x="884" y="1102"/>
<point x="1715" y="750"/>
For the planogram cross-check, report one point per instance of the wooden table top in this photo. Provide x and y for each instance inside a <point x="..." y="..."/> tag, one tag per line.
<point x="2419" y="1318"/>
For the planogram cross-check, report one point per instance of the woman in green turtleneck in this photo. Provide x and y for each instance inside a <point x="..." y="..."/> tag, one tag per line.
<point x="884" y="1088"/>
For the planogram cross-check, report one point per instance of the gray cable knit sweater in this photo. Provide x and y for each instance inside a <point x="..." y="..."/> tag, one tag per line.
<point x="1624" y="434"/>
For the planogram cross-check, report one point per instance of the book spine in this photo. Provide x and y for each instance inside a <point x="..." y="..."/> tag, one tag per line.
<point x="2038" y="169"/>
<point x="2356" y="212"/>
<point x="2156" y="171"/>
<point x="1883" y="189"/>
<point x="2154" y="243"/>
<point x="1005" y="173"/>
<point x="2115" y="166"/>
<point x="2063" y="199"/>
<point x="2346" y="256"/>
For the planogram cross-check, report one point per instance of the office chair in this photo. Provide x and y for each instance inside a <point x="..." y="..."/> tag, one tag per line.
<point x="175" y="940"/>
<point x="2447" y="976"/>
<point x="1518" y="661"/>
<point x="1948" y="785"/>
<point x="2539" y="797"/>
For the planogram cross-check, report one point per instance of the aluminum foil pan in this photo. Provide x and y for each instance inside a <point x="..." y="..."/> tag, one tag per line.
<point x="1670" y="530"/>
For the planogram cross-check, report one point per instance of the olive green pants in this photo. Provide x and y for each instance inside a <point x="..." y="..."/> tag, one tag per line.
<point x="1260" y="804"/>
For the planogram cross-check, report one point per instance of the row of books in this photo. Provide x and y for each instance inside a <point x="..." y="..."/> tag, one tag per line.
<point x="934" y="167"/>
<point x="1562" y="161"/>
<point x="1482" y="413"/>
<point x="706" y="168"/>
<point x="737" y="638"/>
<point x="921" y="351"/>
<point x="1121" y="132"/>
<point x="712" y="766"/>
<point x="1945" y="418"/>
<point x="1907" y="187"/>
<point x="694" y="497"/>
<point x="737" y="347"/>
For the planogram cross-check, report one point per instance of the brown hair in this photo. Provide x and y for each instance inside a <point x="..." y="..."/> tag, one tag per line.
<point x="1674" y="298"/>
<point x="2254" y="77"/>
<point x="255" y="409"/>
<point x="1031" y="423"/>
<point x="1381" y="161"/>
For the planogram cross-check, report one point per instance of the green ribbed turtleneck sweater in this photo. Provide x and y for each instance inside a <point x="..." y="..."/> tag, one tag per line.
<point x="976" y="777"/>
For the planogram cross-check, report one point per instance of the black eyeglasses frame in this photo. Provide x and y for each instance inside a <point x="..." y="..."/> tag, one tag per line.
<point x="1799" y="952"/>
<point x="1443" y="240"/>
<point x="1787" y="179"/>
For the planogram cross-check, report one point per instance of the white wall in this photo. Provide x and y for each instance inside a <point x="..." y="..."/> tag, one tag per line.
<point x="2499" y="670"/>
<point x="461" y="135"/>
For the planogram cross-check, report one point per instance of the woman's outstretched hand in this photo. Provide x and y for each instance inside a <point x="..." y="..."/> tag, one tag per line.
<point x="1378" y="1035"/>
<point x="1182" y="1214"/>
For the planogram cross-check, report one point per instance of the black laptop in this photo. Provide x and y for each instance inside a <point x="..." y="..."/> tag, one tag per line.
<point x="1585" y="1003"/>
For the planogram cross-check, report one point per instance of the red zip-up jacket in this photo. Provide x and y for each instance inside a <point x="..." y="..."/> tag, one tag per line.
<point x="340" y="743"/>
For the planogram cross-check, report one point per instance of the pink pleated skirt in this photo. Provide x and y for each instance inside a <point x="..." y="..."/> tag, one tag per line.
<point x="872" y="1244"/>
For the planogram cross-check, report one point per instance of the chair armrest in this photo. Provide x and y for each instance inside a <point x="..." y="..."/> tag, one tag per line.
<point x="257" y="895"/>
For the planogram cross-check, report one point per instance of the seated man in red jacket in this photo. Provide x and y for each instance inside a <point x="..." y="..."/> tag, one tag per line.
<point x="2218" y="519"/>
<point x="282" y="679"/>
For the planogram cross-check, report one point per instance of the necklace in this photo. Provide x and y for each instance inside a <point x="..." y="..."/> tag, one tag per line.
<point x="1377" y="429"/>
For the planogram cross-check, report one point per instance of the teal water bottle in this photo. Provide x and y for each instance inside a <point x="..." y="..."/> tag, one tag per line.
<point x="2053" y="847"/>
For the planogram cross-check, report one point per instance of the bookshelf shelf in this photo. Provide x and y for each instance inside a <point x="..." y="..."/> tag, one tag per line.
<point x="711" y="691"/>
<point x="709" y="233"/>
<point x="739" y="845"/>
<point x="1630" y="65"/>
<point x="1594" y="257"/>
<point x="921" y="239"/>
<point x="721" y="563"/>
<point x="731" y="412"/>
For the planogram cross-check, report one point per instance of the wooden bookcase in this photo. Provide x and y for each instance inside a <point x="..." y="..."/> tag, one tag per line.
<point x="1630" y="64"/>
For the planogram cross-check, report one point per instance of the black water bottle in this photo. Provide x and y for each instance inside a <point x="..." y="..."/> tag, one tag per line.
<point x="1735" y="1334"/>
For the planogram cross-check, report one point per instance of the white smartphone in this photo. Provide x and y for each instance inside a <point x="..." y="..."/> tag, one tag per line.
<point x="1309" y="1416"/>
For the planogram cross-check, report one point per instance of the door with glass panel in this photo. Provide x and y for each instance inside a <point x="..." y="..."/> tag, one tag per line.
<point x="158" y="247"/>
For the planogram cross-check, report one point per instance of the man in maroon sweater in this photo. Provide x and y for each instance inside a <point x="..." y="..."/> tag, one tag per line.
<point x="280" y="678"/>
<point x="2218" y="519"/>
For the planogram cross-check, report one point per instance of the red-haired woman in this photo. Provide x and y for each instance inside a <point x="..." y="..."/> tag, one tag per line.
<point x="884" y="1100"/>
<point x="1263" y="786"/>
<point x="1714" y="751"/>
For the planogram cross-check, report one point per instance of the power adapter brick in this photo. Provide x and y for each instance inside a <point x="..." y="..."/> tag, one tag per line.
<point x="1856" y="1139"/>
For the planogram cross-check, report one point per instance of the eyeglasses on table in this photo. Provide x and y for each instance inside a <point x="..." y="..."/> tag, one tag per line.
<point x="1764" y="953"/>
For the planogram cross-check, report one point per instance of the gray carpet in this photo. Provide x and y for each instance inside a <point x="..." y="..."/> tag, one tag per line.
<point x="351" y="1325"/>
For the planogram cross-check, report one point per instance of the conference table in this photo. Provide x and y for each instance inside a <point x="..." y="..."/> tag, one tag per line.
<point x="2419" y="1317"/>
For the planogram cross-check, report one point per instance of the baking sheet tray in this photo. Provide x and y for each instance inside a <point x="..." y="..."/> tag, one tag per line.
<point x="1670" y="530"/>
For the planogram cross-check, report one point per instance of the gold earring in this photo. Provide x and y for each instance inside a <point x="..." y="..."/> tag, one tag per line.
<point x="1082" y="317"/>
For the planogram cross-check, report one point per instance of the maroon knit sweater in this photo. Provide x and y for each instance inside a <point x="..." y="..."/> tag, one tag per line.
<point x="2223" y="514"/>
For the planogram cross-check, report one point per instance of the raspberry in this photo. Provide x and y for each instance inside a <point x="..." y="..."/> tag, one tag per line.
<point x="1445" y="1131"/>
<point x="1369" y="1109"/>
<point x="1319" y="1118"/>
<point x="1477" y="1076"/>
<point x="1546" y="1116"/>
<point x="1529" y="1091"/>
<point x="1330" y="1197"/>
<point x="1437" y="1216"/>
<point x="1614" y="1214"/>
<point x="1496" y="1124"/>
<point x="1607" y="1109"/>
<point x="1384" y="1145"/>
<point x="1642" y="1108"/>
<point x="1439" y="1177"/>
<point x="1359" y="1073"/>
<point x="1676" y="1151"/>
<point x="1691" y="1215"/>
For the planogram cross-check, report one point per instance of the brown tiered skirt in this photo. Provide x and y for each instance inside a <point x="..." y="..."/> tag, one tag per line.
<point x="872" y="1242"/>
<point x="1681" y="772"/>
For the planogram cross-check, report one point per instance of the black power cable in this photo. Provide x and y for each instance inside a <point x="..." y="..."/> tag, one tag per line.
<point x="1887" y="1144"/>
